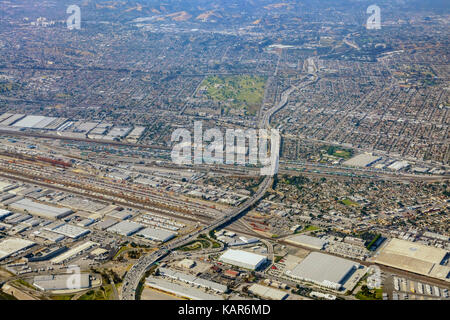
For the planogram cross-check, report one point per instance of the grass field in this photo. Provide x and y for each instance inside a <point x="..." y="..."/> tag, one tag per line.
<point x="241" y="92"/>
<point x="196" y="245"/>
<point x="104" y="293"/>
<point x="349" y="203"/>
<point x="366" y="294"/>
<point x="310" y="228"/>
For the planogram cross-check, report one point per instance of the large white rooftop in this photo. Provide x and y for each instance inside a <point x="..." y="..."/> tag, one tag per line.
<point x="125" y="228"/>
<point x="13" y="245"/>
<point x="156" y="234"/>
<point x="242" y="258"/>
<point x="40" y="209"/>
<point x="323" y="268"/>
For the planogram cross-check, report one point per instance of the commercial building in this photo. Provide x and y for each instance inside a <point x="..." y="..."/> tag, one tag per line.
<point x="62" y="282"/>
<point x="5" y="186"/>
<point x="323" y="269"/>
<point x="398" y="165"/>
<point x="119" y="215"/>
<point x="48" y="235"/>
<point x="73" y="252"/>
<point x="156" y="234"/>
<point x="11" y="246"/>
<point x="243" y="259"/>
<point x="267" y="292"/>
<point x="195" y="281"/>
<point x="179" y="290"/>
<point x="187" y="264"/>
<point x="125" y="228"/>
<point x="362" y="160"/>
<point x="105" y="224"/>
<point x="4" y="213"/>
<point x="45" y="254"/>
<point x="307" y="241"/>
<point x="70" y="231"/>
<point x="39" y="209"/>
<point x="414" y="257"/>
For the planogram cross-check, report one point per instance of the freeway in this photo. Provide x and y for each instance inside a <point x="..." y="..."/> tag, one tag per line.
<point x="137" y="271"/>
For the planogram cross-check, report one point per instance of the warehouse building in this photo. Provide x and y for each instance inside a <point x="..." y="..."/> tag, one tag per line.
<point x="40" y="209"/>
<point x="105" y="224"/>
<point x="415" y="257"/>
<point x="267" y="292"/>
<point x="62" y="282"/>
<point x="125" y="228"/>
<point x="11" y="246"/>
<point x="156" y="234"/>
<point x="179" y="290"/>
<point x="308" y="241"/>
<point x="6" y="186"/>
<point x="362" y="160"/>
<point x="325" y="270"/>
<point x="243" y="259"/>
<point x="195" y="281"/>
<point x="72" y="253"/>
<point x="70" y="231"/>
<point x="119" y="215"/>
<point x="4" y="214"/>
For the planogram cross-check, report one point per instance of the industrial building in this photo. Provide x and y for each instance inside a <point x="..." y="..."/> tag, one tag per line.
<point x="156" y="234"/>
<point x="307" y="241"/>
<point x="5" y="186"/>
<point x="362" y="160"/>
<point x="73" y="252"/>
<point x="39" y="209"/>
<point x="70" y="231"/>
<point x="267" y="292"/>
<point x="48" y="235"/>
<point x="398" y="165"/>
<point x="179" y="290"/>
<point x="4" y="214"/>
<point x="125" y="228"/>
<point x="62" y="282"/>
<point x="243" y="259"/>
<point x="323" y="269"/>
<point x="45" y="254"/>
<point x="195" y="281"/>
<point x="11" y="246"/>
<point x="105" y="224"/>
<point x="414" y="257"/>
<point x="119" y="215"/>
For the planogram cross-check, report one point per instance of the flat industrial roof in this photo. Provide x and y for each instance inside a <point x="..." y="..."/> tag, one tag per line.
<point x="29" y="121"/>
<point x="125" y="227"/>
<point x="183" y="291"/>
<point x="13" y="245"/>
<point x="307" y="241"/>
<point x="40" y="208"/>
<point x="361" y="160"/>
<point x="61" y="282"/>
<point x="192" y="279"/>
<point x="156" y="234"/>
<point x="321" y="268"/>
<point x="242" y="256"/>
<point x="411" y="256"/>
<point x="72" y="252"/>
<point x="268" y="292"/>
<point x="4" y="213"/>
<point x="70" y="231"/>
